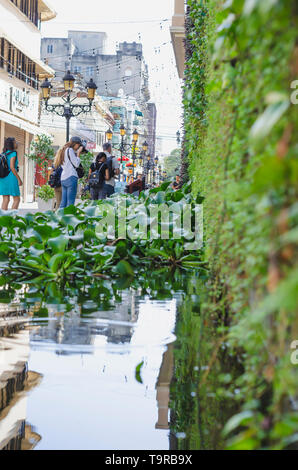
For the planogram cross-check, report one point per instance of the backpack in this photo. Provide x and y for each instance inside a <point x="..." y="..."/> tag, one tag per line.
<point x="55" y="178"/>
<point x="4" y="168"/>
<point x="80" y="169"/>
<point x="96" y="179"/>
<point x="109" y="162"/>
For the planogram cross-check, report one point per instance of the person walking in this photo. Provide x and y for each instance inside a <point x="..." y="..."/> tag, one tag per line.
<point x="98" y="175"/>
<point x="10" y="184"/>
<point x="114" y="170"/>
<point x="68" y="157"/>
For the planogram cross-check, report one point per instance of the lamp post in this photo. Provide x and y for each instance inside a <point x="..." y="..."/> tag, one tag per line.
<point x="155" y="167"/>
<point x="159" y="173"/>
<point x="135" y="138"/>
<point x="148" y="167"/>
<point x="123" y="134"/>
<point x="123" y="145"/>
<point x="68" y="109"/>
<point x="109" y="135"/>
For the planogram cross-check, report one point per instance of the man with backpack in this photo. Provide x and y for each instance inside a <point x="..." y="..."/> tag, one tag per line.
<point x="98" y="174"/>
<point x="113" y="168"/>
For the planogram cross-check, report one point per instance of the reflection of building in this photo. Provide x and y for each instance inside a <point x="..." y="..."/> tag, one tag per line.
<point x="178" y="35"/>
<point x="76" y="334"/>
<point x="127" y="311"/>
<point x="15" y="382"/>
<point x="163" y="387"/>
<point x="20" y="71"/>
<point x="66" y="330"/>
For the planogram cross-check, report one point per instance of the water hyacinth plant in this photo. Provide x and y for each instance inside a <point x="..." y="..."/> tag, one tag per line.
<point x="62" y="245"/>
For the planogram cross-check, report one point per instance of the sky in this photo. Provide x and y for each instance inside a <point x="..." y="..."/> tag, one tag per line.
<point x="132" y="20"/>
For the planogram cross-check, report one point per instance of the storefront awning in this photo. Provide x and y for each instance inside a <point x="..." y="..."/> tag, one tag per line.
<point x="20" y="124"/>
<point x="46" y="11"/>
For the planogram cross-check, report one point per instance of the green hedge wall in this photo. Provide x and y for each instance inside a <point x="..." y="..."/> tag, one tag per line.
<point x="241" y="149"/>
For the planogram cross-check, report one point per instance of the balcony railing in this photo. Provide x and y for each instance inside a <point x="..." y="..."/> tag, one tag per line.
<point x="29" y="8"/>
<point x="18" y="64"/>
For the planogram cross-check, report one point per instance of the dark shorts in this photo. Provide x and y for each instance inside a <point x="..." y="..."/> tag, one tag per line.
<point x="97" y="193"/>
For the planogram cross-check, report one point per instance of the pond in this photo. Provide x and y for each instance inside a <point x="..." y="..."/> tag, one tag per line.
<point x="117" y="369"/>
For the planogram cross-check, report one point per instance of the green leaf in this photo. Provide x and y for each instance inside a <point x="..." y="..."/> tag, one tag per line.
<point x="237" y="420"/>
<point x="124" y="268"/>
<point x="138" y="372"/>
<point x="58" y="244"/>
<point x="263" y="125"/>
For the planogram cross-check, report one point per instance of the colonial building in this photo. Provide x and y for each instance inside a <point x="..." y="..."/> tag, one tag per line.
<point x="83" y="52"/>
<point x="20" y="72"/>
<point x="122" y="78"/>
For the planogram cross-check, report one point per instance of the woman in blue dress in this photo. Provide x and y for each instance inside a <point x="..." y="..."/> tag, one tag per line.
<point x="10" y="185"/>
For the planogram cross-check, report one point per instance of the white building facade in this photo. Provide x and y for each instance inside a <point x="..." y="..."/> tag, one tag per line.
<point x="20" y="73"/>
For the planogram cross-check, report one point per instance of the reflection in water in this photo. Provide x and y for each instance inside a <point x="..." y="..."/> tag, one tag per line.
<point x="15" y="382"/>
<point x="88" y="364"/>
<point x="163" y="388"/>
<point x="86" y="341"/>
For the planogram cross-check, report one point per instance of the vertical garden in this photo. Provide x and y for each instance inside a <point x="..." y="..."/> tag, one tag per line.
<point x="241" y="153"/>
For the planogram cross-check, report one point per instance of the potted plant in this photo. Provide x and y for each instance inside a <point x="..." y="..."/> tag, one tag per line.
<point x="45" y="197"/>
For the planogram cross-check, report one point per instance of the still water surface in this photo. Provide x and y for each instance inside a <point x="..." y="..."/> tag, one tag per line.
<point x="85" y="392"/>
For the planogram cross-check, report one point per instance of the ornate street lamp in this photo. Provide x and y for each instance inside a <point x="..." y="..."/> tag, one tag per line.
<point x="122" y="131"/>
<point x="135" y="136"/>
<point x="68" y="81"/>
<point x="109" y="135"/>
<point x="67" y="108"/>
<point x="155" y="167"/>
<point x="132" y="146"/>
<point x="122" y="146"/>
<point x="46" y="87"/>
<point x="91" y="89"/>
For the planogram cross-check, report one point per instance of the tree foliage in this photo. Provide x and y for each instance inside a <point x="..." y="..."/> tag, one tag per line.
<point x="172" y="163"/>
<point x="42" y="153"/>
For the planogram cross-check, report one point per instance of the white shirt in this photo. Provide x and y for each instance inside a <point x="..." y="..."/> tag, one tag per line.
<point x="115" y="166"/>
<point x="67" y="169"/>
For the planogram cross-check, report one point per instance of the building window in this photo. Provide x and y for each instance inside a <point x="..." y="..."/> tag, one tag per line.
<point x="128" y="72"/>
<point x="77" y="69"/>
<point x="89" y="70"/>
<point x="50" y="49"/>
<point x="99" y="138"/>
